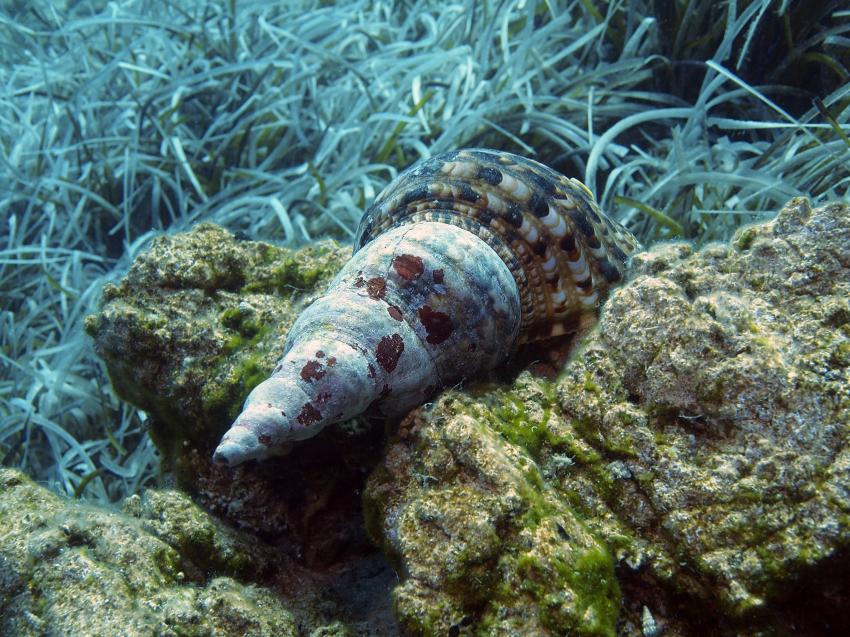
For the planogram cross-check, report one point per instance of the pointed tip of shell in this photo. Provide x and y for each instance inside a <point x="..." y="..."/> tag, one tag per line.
<point x="239" y="445"/>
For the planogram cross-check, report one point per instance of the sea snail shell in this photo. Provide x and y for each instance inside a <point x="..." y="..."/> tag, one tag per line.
<point x="462" y="258"/>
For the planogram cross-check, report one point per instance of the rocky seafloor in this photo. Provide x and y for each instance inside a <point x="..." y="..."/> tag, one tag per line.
<point x="686" y="473"/>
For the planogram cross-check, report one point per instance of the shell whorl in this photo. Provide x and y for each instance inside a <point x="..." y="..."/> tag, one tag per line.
<point x="460" y="259"/>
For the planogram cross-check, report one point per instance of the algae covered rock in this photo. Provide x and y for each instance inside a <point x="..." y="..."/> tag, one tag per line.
<point x="71" y="569"/>
<point x="197" y="322"/>
<point x="698" y="439"/>
<point x="480" y="539"/>
<point x="688" y="472"/>
<point x="199" y="319"/>
<point x="716" y="393"/>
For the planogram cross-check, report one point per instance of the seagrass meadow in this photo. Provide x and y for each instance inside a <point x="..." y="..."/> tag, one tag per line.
<point x="128" y="122"/>
<point x="122" y="120"/>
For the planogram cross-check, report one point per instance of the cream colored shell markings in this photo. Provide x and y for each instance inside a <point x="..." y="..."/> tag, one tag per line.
<point x="461" y="259"/>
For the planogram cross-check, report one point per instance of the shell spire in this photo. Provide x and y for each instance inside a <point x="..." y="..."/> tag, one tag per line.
<point x="425" y="305"/>
<point x="458" y="261"/>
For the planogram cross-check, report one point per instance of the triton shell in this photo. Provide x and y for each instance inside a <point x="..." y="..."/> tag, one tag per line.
<point x="461" y="259"/>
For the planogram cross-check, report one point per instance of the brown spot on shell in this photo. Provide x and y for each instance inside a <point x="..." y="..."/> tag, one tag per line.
<point x="513" y="214"/>
<point x="437" y="324"/>
<point x="389" y="351"/>
<point x="416" y="194"/>
<point x="467" y="193"/>
<point x="376" y="287"/>
<point x="323" y="397"/>
<point x="609" y="271"/>
<point x="580" y="221"/>
<point x="394" y="312"/>
<point x="359" y="282"/>
<point x="408" y="266"/>
<point x="538" y="205"/>
<point x="312" y="370"/>
<point x="332" y="361"/>
<point x="492" y="176"/>
<point x="567" y="243"/>
<point x="320" y="354"/>
<point x="618" y="253"/>
<point x="309" y="415"/>
<point x="438" y="275"/>
<point x="539" y="247"/>
<point x="371" y="371"/>
<point x="264" y="440"/>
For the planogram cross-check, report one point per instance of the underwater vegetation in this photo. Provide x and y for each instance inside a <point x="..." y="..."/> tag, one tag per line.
<point x="121" y="120"/>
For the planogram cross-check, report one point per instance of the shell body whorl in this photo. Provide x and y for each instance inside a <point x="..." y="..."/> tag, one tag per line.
<point x="460" y="259"/>
<point x="562" y="250"/>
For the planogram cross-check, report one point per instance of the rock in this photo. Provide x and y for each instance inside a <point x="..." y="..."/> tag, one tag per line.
<point x="71" y="569"/>
<point x="719" y="384"/>
<point x="201" y="318"/>
<point x="687" y="472"/>
<point x="479" y="537"/>
<point x="698" y="439"/>
<point x="198" y="320"/>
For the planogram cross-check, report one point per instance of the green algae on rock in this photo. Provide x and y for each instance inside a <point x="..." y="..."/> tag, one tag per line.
<point x="198" y="320"/>
<point x="723" y="395"/>
<point x="699" y="438"/>
<point x="72" y="569"/>
<point x="479" y="536"/>
<point x="196" y="323"/>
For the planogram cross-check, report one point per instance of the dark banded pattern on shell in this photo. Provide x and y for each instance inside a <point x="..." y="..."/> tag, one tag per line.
<point x="460" y="259"/>
<point x="562" y="250"/>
